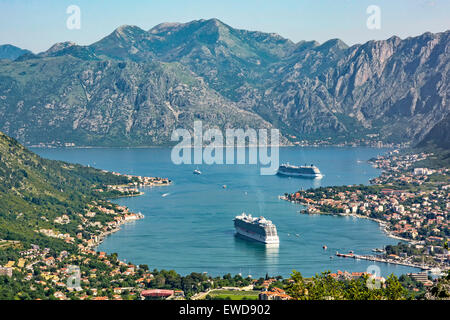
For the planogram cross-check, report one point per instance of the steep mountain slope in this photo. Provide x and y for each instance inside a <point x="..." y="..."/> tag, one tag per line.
<point x="438" y="136"/>
<point x="109" y="102"/>
<point x="134" y="86"/>
<point x="34" y="191"/>
<point x="397" y="89"/>
<point x="11" y="52"/>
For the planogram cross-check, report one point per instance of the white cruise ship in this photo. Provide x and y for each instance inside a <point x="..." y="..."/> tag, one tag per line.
<point x="258" y="229"/>
<point x="300" y="171"/>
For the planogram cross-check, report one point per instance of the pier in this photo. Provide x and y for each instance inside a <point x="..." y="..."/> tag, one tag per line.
<point x="381" y="260"/>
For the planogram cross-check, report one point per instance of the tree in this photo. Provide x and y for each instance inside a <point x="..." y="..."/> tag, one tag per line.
<point x="143" y="267"/>
<point x="160" y="280"/>
<point x="325" y="287"/>
<point x="297" y="289"/>
<point x="394" y="289"/>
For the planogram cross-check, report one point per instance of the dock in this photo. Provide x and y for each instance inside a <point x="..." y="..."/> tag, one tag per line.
<point x="381" y="260"/>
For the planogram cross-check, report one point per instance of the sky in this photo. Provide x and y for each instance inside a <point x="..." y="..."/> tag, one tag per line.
<point x="38" y="24"/>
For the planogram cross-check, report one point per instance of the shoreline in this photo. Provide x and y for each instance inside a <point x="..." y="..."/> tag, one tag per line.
<point x="104" y="234"/>
<point x="343" y="201"/>
<point x="381" y="223"/>
<point x="219" y="146"/>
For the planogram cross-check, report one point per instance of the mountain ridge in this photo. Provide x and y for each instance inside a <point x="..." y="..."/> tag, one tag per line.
<point x="393" y="90"/>
<point x="11" y="52"/>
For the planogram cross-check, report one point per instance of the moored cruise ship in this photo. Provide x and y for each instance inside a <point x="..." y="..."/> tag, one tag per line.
<point x="300" y="171"/>
<point x="258" y="229"/>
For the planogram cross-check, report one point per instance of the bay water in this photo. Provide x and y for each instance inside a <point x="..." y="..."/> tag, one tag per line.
<point x="188" y="226"/>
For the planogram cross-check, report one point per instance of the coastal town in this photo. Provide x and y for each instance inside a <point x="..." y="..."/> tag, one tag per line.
<point x="410" y="203"/>
<point x="80" y="272"/>
<point x="132" y="188"/>
<point x="93" y="275"/>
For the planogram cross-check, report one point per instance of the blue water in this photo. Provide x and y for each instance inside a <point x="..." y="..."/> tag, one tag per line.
<point x="190" y="229"/>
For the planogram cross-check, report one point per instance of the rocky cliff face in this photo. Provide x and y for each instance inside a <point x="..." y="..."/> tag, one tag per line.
<point x="109" y="102"/>
<point x="134" y="86"/>
<point x="397" y="89"/>
<point x="438" y="136"/>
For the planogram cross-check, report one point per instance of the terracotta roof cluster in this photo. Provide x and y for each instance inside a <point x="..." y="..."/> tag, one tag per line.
<point x="274" y="294"/>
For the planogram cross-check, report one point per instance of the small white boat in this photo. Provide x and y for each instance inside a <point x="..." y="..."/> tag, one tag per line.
<point x="197" y="171"/>
<point x="165" y="195"/>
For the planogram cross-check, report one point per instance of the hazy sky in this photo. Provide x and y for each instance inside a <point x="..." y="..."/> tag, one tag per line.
<point x="37" y="24"/>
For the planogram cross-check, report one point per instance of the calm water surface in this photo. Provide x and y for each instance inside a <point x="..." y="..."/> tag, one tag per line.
<point x="188" y="226"/>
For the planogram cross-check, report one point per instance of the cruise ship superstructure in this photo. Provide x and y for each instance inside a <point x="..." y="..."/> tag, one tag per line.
<point x="259" y="229"/>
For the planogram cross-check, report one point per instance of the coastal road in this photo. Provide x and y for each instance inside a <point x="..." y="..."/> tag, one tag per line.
<point x="201" y="295"/>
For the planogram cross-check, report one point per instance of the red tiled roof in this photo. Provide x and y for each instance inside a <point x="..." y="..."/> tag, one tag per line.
<point x="157" y="293"/>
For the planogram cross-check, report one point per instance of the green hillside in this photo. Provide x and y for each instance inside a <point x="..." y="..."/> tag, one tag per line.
<point x="34" y="191"/>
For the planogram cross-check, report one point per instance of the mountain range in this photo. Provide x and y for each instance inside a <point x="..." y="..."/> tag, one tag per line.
<point x="133" y="87"/>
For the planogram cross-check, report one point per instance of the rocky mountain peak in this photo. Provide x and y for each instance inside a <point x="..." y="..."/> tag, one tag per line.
<point x="332" y="45"/>
<point x="57" y="47"/>
<point x="128" y="31"/>
<point x="165" y="27"/>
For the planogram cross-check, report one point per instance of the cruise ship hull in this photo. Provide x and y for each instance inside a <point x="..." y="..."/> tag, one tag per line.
<point x="256" y="236"/>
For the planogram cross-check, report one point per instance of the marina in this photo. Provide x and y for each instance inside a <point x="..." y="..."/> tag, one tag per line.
<point x="380" y="259"/>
